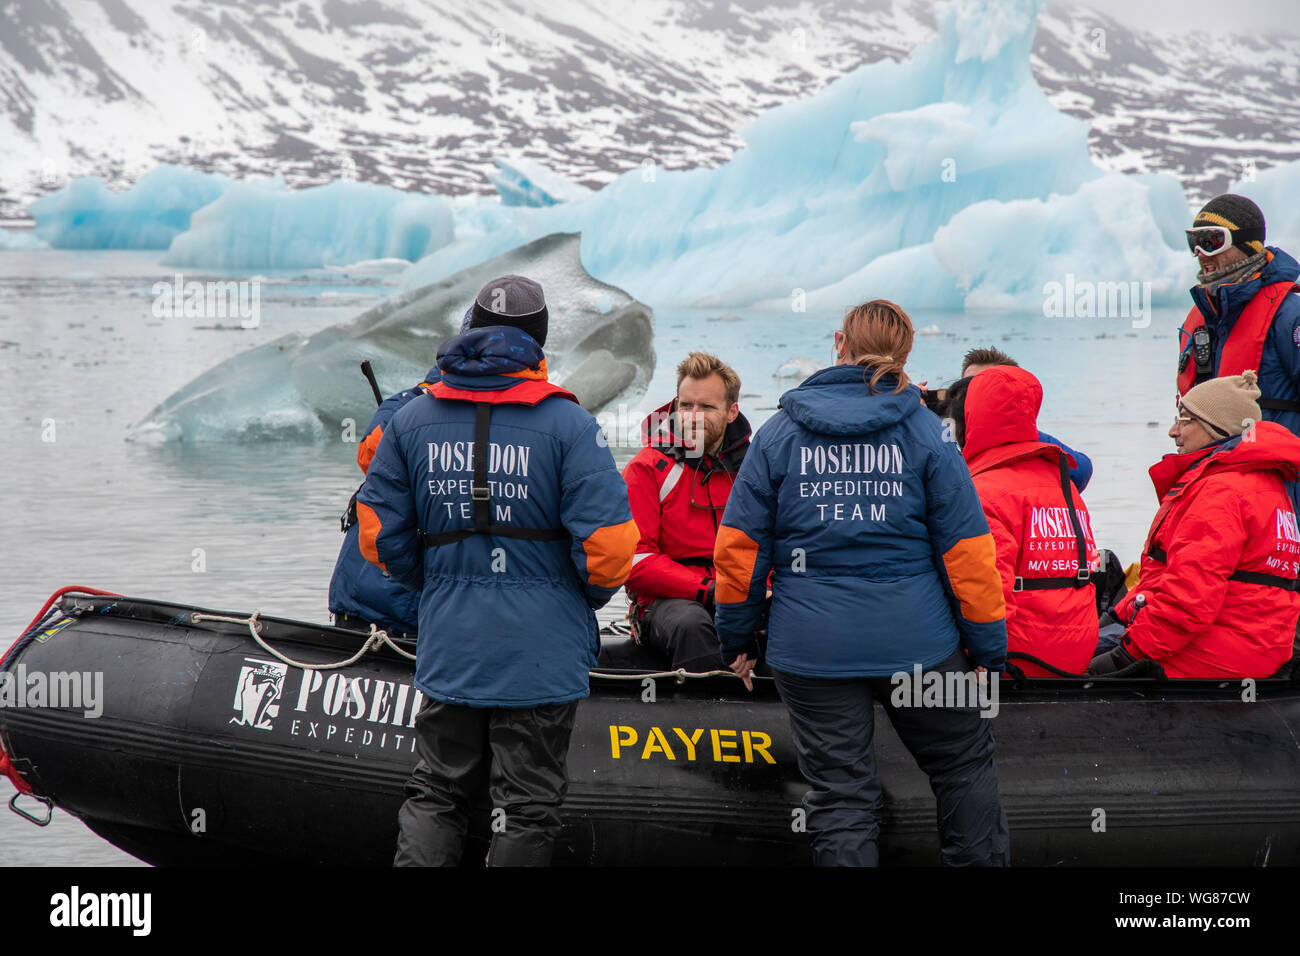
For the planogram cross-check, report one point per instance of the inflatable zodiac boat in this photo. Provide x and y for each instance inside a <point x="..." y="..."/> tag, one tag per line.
<point x="210" y="748"/>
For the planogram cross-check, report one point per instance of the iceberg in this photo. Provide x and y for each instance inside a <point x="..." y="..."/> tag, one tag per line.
<point x="14" y="239"/>
<point x="600" y="346"/>
<point x="523" y="182"/>
<point x="1123" y="244"/>
<point x="1274" y="191"/>
<point x="85" y="214"/>
<point x="264" y="225"/>
<point x="846" y="195"/>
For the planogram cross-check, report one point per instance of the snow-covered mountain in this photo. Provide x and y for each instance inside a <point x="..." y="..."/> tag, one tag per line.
<point x="423" y="94"/>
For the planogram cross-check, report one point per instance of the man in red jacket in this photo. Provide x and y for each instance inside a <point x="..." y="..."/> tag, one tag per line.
<point x="1216" y="597"/>
<point x="678" y="486"/>
<point x="1040" y="525"/>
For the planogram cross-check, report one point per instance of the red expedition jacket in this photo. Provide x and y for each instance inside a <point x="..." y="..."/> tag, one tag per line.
<point x="1223" y="509"/>
<point x="677" y="500"/>
<point x="1019" y="480"/>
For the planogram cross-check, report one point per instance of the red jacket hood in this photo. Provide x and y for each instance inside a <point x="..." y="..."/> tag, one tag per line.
<point x="1001" y="415"/>
<point x="1273" y="447"/>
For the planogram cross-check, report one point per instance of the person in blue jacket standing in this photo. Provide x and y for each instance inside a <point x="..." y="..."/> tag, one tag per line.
<point x="495" y="496"/>
<point x="360" y="594"/>
<point x="881" y="562"/>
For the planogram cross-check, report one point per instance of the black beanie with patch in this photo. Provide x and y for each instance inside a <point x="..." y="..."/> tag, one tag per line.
<point x="512" y="300"/>
<point x="1238" y="214"/>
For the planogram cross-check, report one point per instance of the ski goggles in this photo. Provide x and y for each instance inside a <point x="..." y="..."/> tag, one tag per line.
<point x="1209" y="240"/>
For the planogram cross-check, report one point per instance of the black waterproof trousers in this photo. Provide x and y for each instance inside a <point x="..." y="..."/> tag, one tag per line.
<point x="833" y="725"/>
<point x="507" y="765"/>
<point x="683" y="632"/>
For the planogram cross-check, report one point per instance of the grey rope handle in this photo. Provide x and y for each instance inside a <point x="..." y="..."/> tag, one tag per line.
<point x="376" y="639"/>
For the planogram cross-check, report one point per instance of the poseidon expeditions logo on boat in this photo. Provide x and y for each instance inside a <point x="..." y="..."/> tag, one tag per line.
<point x="257" y="693"/>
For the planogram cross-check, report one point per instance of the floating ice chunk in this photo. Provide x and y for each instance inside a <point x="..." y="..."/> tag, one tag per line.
<point x="372" y="267"/>
<point x="797" y="369"/>
<point x="263" y="225"/>
<point x="525" y="182"/>
<point x="930" y="330"/>
<point x="13" y="239"/>
<point x="85" y="214"/>
<point x="301" y="388"/>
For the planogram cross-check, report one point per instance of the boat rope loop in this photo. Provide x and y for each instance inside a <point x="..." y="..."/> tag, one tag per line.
<point x="377" y="639"/>
<point x="681" y="674"/>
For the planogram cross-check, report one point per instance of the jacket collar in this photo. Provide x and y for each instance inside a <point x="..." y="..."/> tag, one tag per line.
<point x="1273" y="448"/>
<point x="1227" y="301"/>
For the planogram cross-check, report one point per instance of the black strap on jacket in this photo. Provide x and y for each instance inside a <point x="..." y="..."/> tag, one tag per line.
<point x="479" y="491"/>
<point x="1279" y="405"/>
<point x="1082" y="576"/>
<point x="349" y="516"/>
<point x="1249" y="577"/>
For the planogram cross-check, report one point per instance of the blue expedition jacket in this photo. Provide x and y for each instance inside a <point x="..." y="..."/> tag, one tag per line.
<point x="868" y="517"/>
<point x="504" y="622"/>
<point x="357" y="587"/>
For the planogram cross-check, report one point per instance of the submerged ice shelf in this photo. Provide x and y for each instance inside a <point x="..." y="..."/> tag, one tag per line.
<point x="599" y="346"/>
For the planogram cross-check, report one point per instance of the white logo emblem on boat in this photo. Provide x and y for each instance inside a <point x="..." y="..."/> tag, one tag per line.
<point x="257" y="693"/>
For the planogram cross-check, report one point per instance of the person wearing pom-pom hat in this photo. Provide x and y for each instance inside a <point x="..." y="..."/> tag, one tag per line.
<point x="1217" y="593"/>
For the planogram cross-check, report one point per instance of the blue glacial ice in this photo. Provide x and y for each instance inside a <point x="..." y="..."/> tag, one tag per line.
<point x="11" y="239"/>
<point x="901" y="179"/>
<point x="600" y="345"/>
<point x="525" y="182"/>
<point x="1274" y="191"/>
<point x="946" y="181"/>
<point x="86" y="214"/>
<point x="265" y="225"/>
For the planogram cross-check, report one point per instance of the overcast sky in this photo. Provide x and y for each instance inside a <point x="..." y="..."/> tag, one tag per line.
<point x="1274" y="16"/>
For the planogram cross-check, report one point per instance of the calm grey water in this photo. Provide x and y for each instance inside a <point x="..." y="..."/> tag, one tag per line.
<point x="80" y="346"/>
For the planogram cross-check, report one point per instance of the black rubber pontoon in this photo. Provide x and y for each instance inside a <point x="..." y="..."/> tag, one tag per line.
<point x="211" y="751"/>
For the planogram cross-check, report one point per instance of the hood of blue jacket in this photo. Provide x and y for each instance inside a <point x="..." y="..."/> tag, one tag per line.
<point x="491" y="350"/>
<point x="836" y="401"/>
<point x="1230" y="299"/>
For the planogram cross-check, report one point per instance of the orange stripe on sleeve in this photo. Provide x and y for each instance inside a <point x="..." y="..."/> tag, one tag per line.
<point x="734" y="556"/>
<point x="369" y="445"/>
<point x="972" y="565"/>
<point x="609" y="553"/>
<point x="368" y="531"/>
